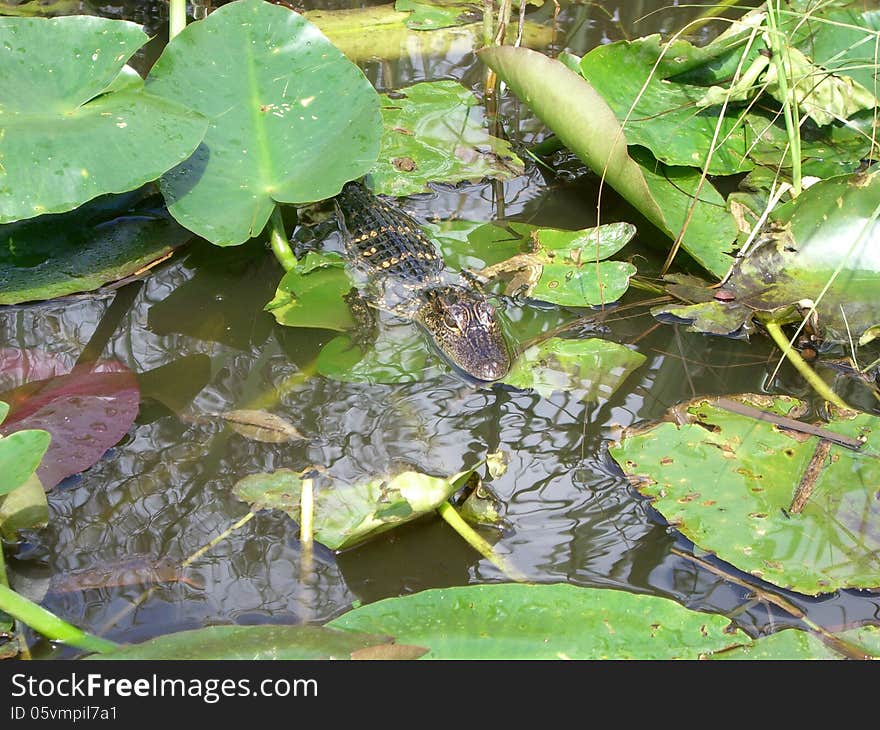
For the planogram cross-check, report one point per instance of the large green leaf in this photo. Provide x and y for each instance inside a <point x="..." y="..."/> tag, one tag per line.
<point x="65" y="137"/>
<point x="727" y="482"/>
<point x="102" y="241"/>
<point x="435" y="131"/>
<point x="291" y="118"/>
<point x="556" y="621"/>
<point x="584" y="122"/>
<point x="256" y="643"/>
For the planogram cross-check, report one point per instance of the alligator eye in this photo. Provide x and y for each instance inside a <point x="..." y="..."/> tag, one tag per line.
<point x="455" y="317"/>
<point x="485" y="313"/>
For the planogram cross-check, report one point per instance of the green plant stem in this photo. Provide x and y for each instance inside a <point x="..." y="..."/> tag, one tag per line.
<point x="48" y="624"/>
<point x="4" y="580"/>
<point x="779" y="50"/>
<point x="176" y="17"/>
<point x="810" y="375"/>
<point x="278" y="241"/>
<point x="455" y="520"/>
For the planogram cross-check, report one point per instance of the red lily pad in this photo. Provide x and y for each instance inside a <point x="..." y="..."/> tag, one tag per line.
<point x="87" y="409"/>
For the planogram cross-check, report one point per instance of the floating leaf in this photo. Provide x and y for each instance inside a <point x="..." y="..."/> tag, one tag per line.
<point x="565" y="267"/>
<point x="86" y="411"/>
<point x="312" y="294"/>
<point x="103" y="241"/>
<point x="347" y="514"/>
<point x="803" y="645"/>
<point x="261" y="426"/>
<point x="20" y="455"/>
<point x="250" y="643"/>
<point x="738" y="503"/>
<point x="556" y="621"/>
<point x="590" y="369"/>
<point x="439" y="127"/>
<point x="24" y="508"/>
<point x="65" y="131"/>
<point x="278" y="132"/>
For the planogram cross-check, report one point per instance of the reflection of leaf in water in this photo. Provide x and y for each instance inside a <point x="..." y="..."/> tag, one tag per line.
<point x="736" y="503"/>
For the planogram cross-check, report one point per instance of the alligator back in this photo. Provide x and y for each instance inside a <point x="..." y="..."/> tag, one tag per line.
<point x="385" y="242"/>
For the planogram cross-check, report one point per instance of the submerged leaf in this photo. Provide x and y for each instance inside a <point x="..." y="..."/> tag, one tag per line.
<point x="435" y="132"/>
<point x="591" y="369"/>
<point x="347" y="514"/>
<point x="261" y="426"/>
<point x="738" y="503"/>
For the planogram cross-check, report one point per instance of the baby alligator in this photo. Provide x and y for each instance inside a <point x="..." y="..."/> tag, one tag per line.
<point x="406" y="275"/>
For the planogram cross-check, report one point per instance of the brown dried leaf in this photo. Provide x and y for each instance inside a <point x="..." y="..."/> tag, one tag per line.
<point x="261" y="426"/>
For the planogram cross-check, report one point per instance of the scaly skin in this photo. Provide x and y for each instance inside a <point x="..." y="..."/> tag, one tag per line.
<point x="407" y="276"/>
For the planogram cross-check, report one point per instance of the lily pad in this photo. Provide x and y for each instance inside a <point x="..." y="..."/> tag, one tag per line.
<point x="86" y="411"/>
<point x="738" y="503"/>
<point x="270" y="83"/>
<point x="566" y="267"/>
<point x="591" y="369"/>
<point x="254" y="643"/>
<point x="802" y="645"/>
<point x="347" y="514"/>
<point x="312" y="294"/>
<point x="103" y="241"/>
<point x="435" y="131"/>
<point x="555" y="621"/>
<point x="67" y="122"/>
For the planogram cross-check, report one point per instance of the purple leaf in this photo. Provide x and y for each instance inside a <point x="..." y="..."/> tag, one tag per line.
<point x="87" y="410"/>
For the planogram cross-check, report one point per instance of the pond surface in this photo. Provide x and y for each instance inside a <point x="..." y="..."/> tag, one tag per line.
<point x="196" y="331"/>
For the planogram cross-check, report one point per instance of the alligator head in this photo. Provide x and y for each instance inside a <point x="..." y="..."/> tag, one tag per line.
<point x="465" y="328"/>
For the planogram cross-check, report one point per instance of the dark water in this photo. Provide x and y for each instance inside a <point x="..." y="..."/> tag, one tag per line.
<point x="196" y="328"/>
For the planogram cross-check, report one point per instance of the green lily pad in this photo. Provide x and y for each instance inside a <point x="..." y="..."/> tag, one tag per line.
<point x="68" y="123"/>
<point x="271" y="83"/>
<point x="737" y="503"/>
<point x="802" y="645"/>
<point x="101" y="242"/>
<point x="20" y="455"/>
<point x="435" y="131"/>
<point x="347" y="514"/>
<point x="565" y="267"/>
<point x="591" y="369"/>
<point x="556" y="621"/>
<point x="254" y="643"/>
<point x="311" y="294"/>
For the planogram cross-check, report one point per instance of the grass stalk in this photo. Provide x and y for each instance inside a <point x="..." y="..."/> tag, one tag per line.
<point x="176" y="17"/>
<point x="48" y="624"/>
<point x="278" y="241"/>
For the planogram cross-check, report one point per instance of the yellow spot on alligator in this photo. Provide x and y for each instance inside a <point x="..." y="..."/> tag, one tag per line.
<point x="373" y="234"/>
<point x="386" y="264"/>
